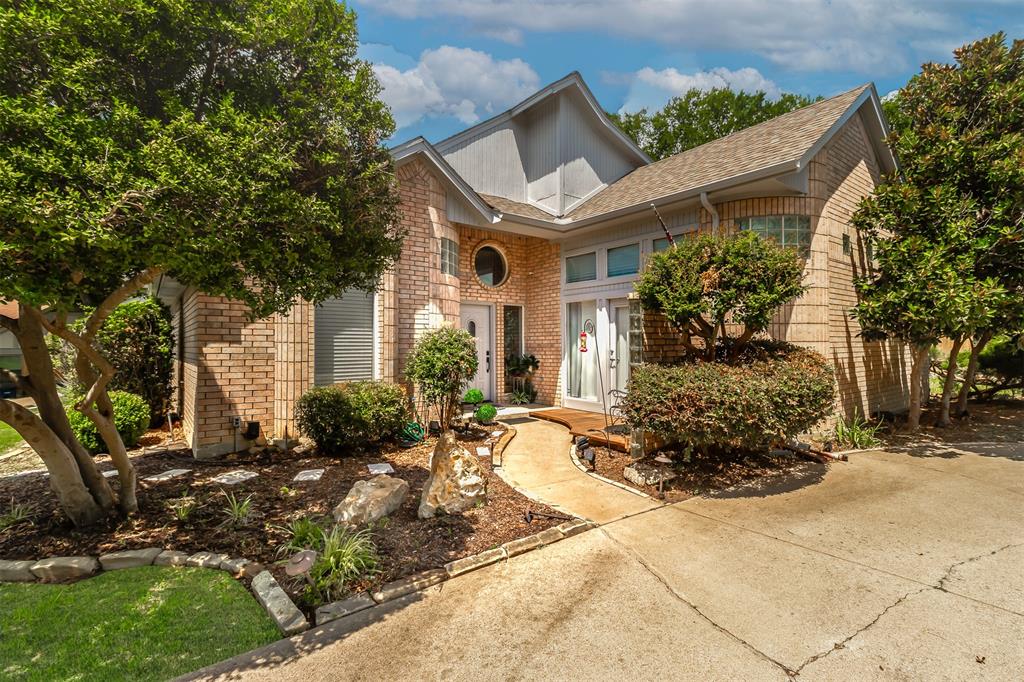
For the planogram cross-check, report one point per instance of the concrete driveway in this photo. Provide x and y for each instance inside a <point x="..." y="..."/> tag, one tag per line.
<point x="892" y="566"/>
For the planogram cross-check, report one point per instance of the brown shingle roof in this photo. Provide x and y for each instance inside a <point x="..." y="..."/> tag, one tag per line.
<point x="516" y="207"/>
<point x="782" y="139"/>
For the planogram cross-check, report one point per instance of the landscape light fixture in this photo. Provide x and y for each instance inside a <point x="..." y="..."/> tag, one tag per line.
<point x="300" y="563"/>
<point x="663" y="460"/>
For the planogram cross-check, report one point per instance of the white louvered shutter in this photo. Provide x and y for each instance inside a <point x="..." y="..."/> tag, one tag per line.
<point x="344" y="339"/>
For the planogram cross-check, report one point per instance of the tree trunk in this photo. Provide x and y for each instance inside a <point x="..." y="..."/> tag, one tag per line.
<point x="972" y="369"/>
<point x="65" y="478"/>
<point x="44" y="391"/>
<point x="950" y="382"/>
<point x="918" y="367"/>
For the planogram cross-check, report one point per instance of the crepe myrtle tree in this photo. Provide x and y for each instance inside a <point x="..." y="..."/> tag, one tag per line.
<point x="232" y="145"/>
<point x="958" y="130"/>
<point x="440" y="365"/>
<point x="704" y="284"/>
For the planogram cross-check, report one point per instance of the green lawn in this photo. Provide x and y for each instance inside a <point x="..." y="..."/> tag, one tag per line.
<point x="8" y="438"/>
<point x="149" y="623"/>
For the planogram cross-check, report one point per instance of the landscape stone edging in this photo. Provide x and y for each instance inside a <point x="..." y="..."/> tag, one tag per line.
<point x="419" y="582"/>
<point x="594" y="474"/>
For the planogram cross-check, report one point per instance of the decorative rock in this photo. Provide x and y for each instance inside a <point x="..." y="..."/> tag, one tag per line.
<point x="345" y="607"/>
<point x="170" y="558"/>
<point x="456" y="480"/>
<point x="370" y="500"/>
<point x="111" y="473"/>
<point x="309" y="475"/>
<point x="289" y="619"/>
<point x="400" y="588"/>
<point x="522" y="545"/>
<point x="16" y="571"/>
<point x="241" y="568"/>
<point x="483" y="452"/>
<point x="381" y="468"/>
<point x="234" y="477"/>
<point x="56" y="569"/>
<point x="570" y="528"/>
<point x="471" y="563"/>
<point x="167" y="475"/>
<point x="303" y="448"/>
<point x="129" y="558"/>
<point x="206" y="560"/>
<point x="642" y="473"/>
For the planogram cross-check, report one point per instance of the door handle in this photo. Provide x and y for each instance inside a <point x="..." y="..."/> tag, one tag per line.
<point x="488" y="362"/>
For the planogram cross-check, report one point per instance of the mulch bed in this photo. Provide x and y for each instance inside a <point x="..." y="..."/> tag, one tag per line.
<point x="406" y="543"/>
<point x="706" y="475"/>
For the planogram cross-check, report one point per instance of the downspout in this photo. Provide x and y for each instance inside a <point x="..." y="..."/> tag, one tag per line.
<point x="709" y="207"/>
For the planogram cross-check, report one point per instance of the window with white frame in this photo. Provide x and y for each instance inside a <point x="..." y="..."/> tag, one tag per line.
<point x="789" y="231"/>
<point x="623" y="260"/>
<point x="581" y="268"/>
<point x="449" y="257"/>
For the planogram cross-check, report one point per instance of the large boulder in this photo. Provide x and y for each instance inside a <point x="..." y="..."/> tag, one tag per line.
<point x="456" y="482"/>
<point x="370" y="500"/>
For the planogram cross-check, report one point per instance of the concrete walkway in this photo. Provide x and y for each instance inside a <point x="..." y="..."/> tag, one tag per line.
<point x="537" y="462"/>
<point x="893" y="566"/>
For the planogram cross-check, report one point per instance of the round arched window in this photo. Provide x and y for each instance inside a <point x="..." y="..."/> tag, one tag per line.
<point x="490" y="266"/>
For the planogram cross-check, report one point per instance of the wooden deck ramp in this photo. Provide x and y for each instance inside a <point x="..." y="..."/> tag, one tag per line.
<point x="583" y="423"/>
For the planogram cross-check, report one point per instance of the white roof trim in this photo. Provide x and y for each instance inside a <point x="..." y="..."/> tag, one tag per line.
<point x="418" y="145"/>
<point x="573" y="79"/>
<point x="869" y="94"/>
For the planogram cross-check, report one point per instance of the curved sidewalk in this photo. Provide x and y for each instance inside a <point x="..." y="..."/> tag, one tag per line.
<point x="537" y="463"/>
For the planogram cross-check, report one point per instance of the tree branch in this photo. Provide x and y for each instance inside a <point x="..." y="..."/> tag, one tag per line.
<point x="116" y="298"/>
<point x="9" y="323"/>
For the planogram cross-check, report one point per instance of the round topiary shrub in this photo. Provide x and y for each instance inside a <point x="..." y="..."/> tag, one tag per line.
<point x="350" y="416"/>
<point x="131" y="417"/>
<point x="486" y="413"/>
<point x="774" y="392"/>
<point x="474" y="396"/>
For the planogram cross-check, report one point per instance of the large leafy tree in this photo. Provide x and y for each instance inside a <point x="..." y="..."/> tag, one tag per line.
<point x="958" y="130"/>
<point x="233" y="145"/>
<point x="699" y="116"/>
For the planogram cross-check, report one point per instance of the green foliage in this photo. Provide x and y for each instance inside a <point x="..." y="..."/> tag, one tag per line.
<point x="15" y="514"/>
<point x="237" y="150"/>
<point x="700" y="116"/>
<point x="138" y="341"/>
<point x="343" y="557"/>
<point x="519" y="366"/>
<point x="776" y="392"/>
<point x="134" y="624"/>
<point x="237" y="511"/>
<point x="474" y="396"/>
<point x="701" y="282"/>
<point x="131" y="417"/>
<point x="440" y="365"/>
<point x="486" y="413"/>
<point x="1004" y="357"/>
<point x="523" y="396"/>
<point x="857" y="432"/>
<point x="353" y="415"/>
<point x="183" y="507"/>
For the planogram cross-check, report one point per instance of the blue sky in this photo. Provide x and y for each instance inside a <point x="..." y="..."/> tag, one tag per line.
<point x="446" y="64"/>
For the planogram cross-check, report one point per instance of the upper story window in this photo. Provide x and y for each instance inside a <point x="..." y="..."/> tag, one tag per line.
<point x="790" y="231"/>
<point x="581" y="268"/>
<point x="449" y="257"/>
<point x="490" y="266"/>
<point x="624" y="260"/>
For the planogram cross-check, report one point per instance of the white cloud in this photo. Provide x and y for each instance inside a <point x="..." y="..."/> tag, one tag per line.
<point x="452" y="81"/>
<point x="512" y="36"/>
<point x="652" y="89"/>
<point x="875" y="36"/>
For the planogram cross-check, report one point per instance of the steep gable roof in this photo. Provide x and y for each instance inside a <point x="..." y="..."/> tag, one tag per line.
<point x="783" y="143"/>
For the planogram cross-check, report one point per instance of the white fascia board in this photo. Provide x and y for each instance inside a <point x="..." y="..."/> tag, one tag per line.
<point x="405" y="151"/>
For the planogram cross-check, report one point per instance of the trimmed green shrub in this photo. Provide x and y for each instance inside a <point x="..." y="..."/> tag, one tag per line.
<point x="775" y="392"/>
<point x="486" y="413"/>
<point x="131" y="417"/>
<point x="138" y="341"/>
<point x="473" y="396"/>
<point x="1001" y="362"/>
<point x="353" y="415"/>
<point x="440" y="365"/>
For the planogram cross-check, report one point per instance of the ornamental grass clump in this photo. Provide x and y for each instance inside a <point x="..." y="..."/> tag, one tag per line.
<point x="776" y="392"/>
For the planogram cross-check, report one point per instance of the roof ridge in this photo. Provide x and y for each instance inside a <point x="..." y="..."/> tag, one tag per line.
<point x="859" y="89"/>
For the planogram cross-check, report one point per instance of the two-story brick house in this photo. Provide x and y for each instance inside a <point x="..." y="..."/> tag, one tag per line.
<point x="529" y="230"/>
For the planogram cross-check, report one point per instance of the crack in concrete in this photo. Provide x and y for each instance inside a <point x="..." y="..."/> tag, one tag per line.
<point x="940" y="585"/>
<point x="671" y="590"/>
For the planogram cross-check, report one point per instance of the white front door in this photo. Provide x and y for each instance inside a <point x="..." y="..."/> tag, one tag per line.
<point x="618" y="361"/>
<point x="476" y="319"/>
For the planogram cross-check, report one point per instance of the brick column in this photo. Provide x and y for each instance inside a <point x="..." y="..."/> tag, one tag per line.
<point x="293" y="365"/>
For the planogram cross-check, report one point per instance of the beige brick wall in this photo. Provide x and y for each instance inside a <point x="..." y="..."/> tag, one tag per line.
<point x="293" y="366"/>
<point x="872" y="376"/>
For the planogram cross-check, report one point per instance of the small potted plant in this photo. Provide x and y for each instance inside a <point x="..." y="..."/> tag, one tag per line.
<point x="486" y="413"/>
<point x="474" y="397"/>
